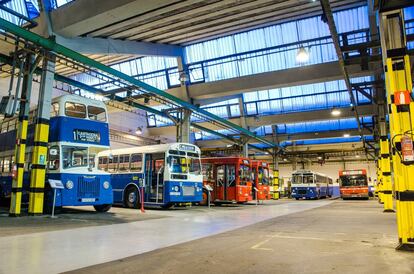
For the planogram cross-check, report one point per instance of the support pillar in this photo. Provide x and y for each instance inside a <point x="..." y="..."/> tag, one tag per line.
<point x="276" y="194"/>
<point x="21" y="136"/>
<point x="385" y="162"/>
<point x="246" y="149"/>
<point x="184" y="130"/>
<point x="401" y="116"/>
<point x="41" y="137"/>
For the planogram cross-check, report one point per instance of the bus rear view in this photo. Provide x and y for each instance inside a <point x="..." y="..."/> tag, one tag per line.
<point x="354" y="184"/>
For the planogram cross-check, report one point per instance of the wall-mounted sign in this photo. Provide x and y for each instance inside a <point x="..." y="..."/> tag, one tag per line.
<point x="86" y="136"/>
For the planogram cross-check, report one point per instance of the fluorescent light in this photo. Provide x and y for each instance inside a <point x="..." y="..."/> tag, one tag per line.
<point x="347" y="135"/>
<point x="335" y="112"/>
<point x="320" y="157"/>
<point x="302" y="56"/>
<point x="285" y="160"/>
<point x="357" y="156"/>
<point x="228" y="145"/>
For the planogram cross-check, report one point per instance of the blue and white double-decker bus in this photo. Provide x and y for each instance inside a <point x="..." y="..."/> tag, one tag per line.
<point x="78" y="132"/>
<point x="308" y="184"/>
<point x="166" y="174"/>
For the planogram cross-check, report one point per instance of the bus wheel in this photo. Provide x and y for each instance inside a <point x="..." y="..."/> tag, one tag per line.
<point x="167" y="206"/>
<point x="102" y="208"/>
<point x="297" y="199"/>
<point x="131" y="197"/>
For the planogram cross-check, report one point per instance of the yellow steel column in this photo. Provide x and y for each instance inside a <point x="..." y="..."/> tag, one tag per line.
<point x="276" y="194"/>
<point x="401" y="109"/>
<point x="41" y="138"/>
<point x="21" y="136"/>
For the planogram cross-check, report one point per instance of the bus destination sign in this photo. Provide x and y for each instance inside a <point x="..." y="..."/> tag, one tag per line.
<point x="187" y="147"/>
<point x="86" y="136"/>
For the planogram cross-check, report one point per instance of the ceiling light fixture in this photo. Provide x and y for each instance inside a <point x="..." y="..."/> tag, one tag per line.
<point x="335" y="112"/>
<point x="347" y="135"/>
<point x="302" y="56"/>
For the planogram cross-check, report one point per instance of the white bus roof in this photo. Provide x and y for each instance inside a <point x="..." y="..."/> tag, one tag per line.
<point x="79" y="99"/>
<point x="301" y="171"/>
<point x="150" y="149"/>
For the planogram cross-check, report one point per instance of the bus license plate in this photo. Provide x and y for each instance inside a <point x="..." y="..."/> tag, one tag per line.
<point x="88" y="200"/>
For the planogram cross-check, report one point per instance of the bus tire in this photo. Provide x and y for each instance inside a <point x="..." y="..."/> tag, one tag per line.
<point x="131" y="197"/>
<point x="297" y="199"/>
<point x="167" y="206"/>
<point x="102" y="208"/>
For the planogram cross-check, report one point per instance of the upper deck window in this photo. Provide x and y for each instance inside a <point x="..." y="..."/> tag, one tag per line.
<point x="54" y="110"/>
<point x="75" y="110"/>
<point x="97" y="113"/>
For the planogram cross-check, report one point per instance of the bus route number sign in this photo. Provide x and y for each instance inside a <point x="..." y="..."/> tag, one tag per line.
<point x="86" y="136"/>
<point x="187" y="147"/>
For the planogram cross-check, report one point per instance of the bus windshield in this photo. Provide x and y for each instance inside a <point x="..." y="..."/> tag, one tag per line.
<point x="263" y="176"/>
<point x="244" y="174"/>
<point x="354" y="180"/>
<point x="194" y="165"/>
<point x="76" y="157"/>
<point x="177" y="164"/>
<point x="302" y="179"/>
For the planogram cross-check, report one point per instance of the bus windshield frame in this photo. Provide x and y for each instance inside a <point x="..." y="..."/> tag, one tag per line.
<point x="358" y="180"/>
<point x="304" y="178"/>
<point x="244" y="174"/>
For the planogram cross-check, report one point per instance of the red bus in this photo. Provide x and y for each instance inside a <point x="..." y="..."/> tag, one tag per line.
<point x="261" y="180"/>
<point x="353" y="184"/>
<point x="229" y="179"/>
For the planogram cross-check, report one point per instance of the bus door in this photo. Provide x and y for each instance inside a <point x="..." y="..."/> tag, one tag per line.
<point x="154" y="177"/>
<point x="226" y="182"/>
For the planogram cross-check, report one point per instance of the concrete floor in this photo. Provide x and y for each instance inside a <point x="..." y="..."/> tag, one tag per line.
<point x="278" y="237"/>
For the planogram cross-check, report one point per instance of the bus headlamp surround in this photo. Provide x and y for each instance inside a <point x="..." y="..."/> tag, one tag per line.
<point x="69" y="184"/>
<point x="106" y="185"/>
<point x="176" y="188"/>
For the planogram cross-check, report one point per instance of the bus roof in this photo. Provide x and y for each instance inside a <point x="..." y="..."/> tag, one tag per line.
<point x="304" y="171"/>
<point x="152" y="149"/>
<point x="79" y="99"/>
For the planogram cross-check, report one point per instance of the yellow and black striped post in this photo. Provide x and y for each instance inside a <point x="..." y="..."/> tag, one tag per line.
<point x="21" y="136"/>
<point x="41" y="138"/>
<point x="276" y="194"/>
<point x="385" y="163"/>
<point x="378" y="187"/>
<point x="401" y="110"/>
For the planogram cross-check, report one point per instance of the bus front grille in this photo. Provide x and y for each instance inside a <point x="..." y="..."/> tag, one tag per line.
<point x="302" y="191"/>
<point x="88" y="187"/>
<point x="188" y="191"/>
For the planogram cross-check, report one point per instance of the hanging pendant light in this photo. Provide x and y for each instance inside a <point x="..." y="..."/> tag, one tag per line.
<point x="302" y="56"/>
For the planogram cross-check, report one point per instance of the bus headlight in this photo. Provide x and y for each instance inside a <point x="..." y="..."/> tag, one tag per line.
<point x="69" y="184"/>
<point x="176" y="188"/>
<point x="106" y="185"/>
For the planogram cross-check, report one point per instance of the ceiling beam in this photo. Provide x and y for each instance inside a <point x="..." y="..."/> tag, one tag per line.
<point x="268" y="80"/>
<point x="107" y="46"/>
<point x="294" y="117"/>
<point x="83" y="16"/>
<point x="284" y="137"/>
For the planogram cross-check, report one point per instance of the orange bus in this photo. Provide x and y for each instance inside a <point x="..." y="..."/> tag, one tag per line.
<point x="229" y="179"/>
<point x="261" y="180"/>
<point x="353" y="184"/>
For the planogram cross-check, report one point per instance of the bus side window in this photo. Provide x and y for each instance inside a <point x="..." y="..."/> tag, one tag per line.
<point x="136" y="162"/>
<point x="1" y="165"/>
<point x="113" y="164"/>
<point x="103" y="163"/>
<point x="54" y="157"/>
<point x="124" y="162"/>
